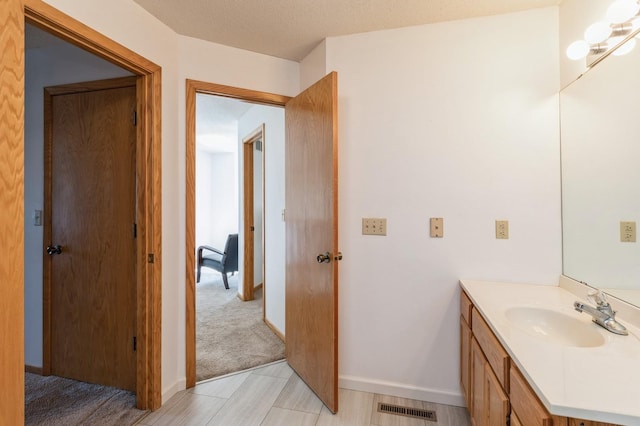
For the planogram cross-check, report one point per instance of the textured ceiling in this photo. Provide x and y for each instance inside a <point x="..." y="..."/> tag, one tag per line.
<point x="290" y="29"/>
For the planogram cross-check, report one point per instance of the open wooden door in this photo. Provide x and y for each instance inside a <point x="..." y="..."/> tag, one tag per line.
<point x="311" y="164"/>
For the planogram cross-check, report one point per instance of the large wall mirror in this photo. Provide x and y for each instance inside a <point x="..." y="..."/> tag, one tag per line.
<point x="600" y="143"/>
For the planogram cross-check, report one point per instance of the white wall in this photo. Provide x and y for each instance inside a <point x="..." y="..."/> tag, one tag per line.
<point x="45" y="66"/>
<point x="456" y="120"/>
<point x="273" y="151"/>
<point x="216" y="197"/>
<point x="314" y="66"/>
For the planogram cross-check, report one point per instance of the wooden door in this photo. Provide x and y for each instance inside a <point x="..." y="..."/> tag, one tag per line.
<point x="311" y="224"/>
<point x="91" y="165"/>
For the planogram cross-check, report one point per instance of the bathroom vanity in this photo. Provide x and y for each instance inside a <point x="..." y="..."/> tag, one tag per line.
<point x="528" y="358"/>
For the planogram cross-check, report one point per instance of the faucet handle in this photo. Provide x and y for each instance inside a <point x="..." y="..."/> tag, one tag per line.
<point x="597" y="297"/>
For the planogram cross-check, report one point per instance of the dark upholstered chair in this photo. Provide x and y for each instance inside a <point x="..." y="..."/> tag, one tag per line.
<point x="222" y="261"/>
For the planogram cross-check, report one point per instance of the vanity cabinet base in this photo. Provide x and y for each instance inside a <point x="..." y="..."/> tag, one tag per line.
<point x="496" y="393"/>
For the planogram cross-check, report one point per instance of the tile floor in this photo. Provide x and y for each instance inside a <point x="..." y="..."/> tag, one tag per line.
<point x="275" y="395"/>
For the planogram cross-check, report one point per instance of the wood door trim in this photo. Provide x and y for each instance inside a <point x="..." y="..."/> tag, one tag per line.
<point x="248" y="210"/>
<point x="192" y="88"/>
<point x="12" y="212"/>
<point x="248" y="277"/>
<point x="148" y="174"/>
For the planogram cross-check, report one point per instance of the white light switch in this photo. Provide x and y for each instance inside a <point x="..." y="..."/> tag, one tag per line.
<point x="37" y="217"/>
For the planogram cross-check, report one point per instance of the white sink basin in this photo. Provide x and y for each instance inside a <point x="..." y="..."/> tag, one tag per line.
<point x="555" y="327"/>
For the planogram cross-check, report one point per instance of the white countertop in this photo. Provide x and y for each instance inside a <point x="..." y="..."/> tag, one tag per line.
<point x="595" y="383"/>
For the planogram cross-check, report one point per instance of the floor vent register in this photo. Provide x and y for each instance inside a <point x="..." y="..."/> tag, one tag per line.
<point x="416" y="413"/>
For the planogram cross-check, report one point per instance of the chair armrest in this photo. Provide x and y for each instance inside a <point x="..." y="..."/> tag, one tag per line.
<point x="201" y="248"/>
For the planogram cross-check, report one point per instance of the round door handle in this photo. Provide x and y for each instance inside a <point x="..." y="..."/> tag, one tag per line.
<point x="324" y="258"/>
<point x="51" y="250"/>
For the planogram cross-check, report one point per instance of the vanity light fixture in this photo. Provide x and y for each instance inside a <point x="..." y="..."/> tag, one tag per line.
<point x="622" y="19"/>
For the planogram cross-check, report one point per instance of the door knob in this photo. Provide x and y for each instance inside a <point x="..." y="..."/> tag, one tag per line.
<point x="324" y="258"/>
<point x="51" y="250"/>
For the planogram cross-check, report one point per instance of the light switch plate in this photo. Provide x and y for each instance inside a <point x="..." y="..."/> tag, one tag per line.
<point x="502" y="229"/>
<point x="37" y="217"/>
<point x="374" y="226"/>
<point x="436" y="228"/>
<point x="628" y="232"/>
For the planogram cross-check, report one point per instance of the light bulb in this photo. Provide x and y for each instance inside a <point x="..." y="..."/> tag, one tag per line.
<point x="597" y="33"/>
<point x="625" y="48"/>
<point x="622" y="10"/>
<point x="578" y="50"/>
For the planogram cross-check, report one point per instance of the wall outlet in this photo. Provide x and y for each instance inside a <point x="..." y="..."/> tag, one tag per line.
<point x="628" y="232"/>
<point x="502" y="229"/>
<point x="374" y="226"/>
<point x="436" y="227"/>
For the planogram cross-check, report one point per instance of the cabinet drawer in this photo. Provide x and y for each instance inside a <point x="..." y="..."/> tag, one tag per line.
<point x="530" y="410"/>
<point x="496" y="355"/>
<point x="465" y="307"/>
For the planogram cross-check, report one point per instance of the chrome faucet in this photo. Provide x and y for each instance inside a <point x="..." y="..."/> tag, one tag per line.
<point x="602" y="314"/>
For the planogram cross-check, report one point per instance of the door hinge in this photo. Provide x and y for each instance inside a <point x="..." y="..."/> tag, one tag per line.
<point x="135" y="343"/>
<point x="135" y="230"/>
<point x="150" y="258"/>
<point x="135" y="118"/>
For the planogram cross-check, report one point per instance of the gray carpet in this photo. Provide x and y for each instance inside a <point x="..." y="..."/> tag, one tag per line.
<point x="230" y="334"/>
<point x="55" y="400"/>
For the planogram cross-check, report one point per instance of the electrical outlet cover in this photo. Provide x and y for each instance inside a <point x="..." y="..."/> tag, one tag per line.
<point x="374" y="226"/>
<point x="502" y="229"/>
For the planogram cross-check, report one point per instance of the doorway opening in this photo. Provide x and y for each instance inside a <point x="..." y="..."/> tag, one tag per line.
<point x="232" y="141"/>
<point x="147" y="211"/>
<point x="273" y="270"/>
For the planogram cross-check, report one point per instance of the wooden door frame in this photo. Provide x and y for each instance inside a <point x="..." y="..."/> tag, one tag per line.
<point x="248" y="277"/>
<point x="12" y="212"/>
<point x="193" y="87"/>
<point x="47" y="237"/>
<point x="148" y="176"/>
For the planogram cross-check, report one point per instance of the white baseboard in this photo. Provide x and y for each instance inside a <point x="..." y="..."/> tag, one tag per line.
<point x="401" y="390"/>
<point x="173" y="389"/>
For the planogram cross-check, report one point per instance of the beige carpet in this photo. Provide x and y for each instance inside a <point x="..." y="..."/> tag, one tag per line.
<point x="230" y="334"/>
<point x="55" y="400"/>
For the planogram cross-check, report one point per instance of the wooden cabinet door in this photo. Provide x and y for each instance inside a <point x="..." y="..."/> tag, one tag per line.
<point x="465" y="358"/>
<point x="478" y="362"/>
<point x="530" y="410"/>
<point x="514" y="420"/>
<point x="497" y="402"/>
